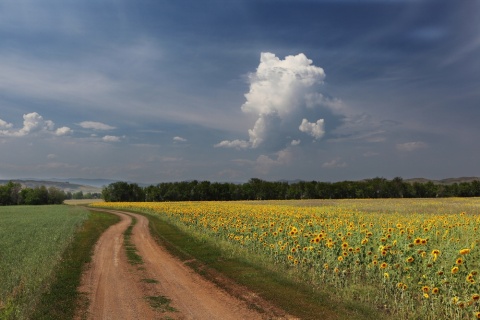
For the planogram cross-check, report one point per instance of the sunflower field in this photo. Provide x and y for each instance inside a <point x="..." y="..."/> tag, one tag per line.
<point x="414" y="259"/>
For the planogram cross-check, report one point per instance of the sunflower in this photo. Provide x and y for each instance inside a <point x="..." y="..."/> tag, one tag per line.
<point x="410" y="259"/>
<point x="459" y="261"/>
<point x="455" y="270"/>
<point x="464" y="251"/>
<point x="435" y="290"/>
<point x="417" y="241"/>
<point x="425" y="289"/>
<point x="340" y="258"/>
<point x="477" y="315"/>
<point x="383" y="265"/>
<point x="476" y="297"/>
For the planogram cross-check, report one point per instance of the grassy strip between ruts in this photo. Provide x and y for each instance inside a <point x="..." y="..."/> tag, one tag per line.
<point x="132" y="254"/>
<point x="62" y="297"/>
<point x="298" y="299"/>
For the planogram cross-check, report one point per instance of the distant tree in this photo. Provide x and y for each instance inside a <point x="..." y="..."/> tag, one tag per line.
<point x="10" y="193"/>
<point x="78" y="195"/>
<point x="123" y="191"/>
<point x="35" y="196"/>
<point x="56" y="196"/>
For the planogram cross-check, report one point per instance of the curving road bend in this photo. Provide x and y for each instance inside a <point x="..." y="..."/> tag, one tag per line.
<point x="117" y="290"/>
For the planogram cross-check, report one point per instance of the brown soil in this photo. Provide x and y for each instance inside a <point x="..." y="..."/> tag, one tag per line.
<point x="117" y="289"/>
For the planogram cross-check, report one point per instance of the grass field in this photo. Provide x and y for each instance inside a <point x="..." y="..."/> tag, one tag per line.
<point x="81" y="202"/>
<point x="406" y="258"/>
<point x="33" y="240"/>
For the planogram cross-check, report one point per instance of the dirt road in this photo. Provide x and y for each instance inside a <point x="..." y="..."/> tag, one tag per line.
<point x="162" y="287"/>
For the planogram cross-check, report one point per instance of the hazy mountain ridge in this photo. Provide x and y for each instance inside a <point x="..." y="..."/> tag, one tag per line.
<point x="62" y="185"/>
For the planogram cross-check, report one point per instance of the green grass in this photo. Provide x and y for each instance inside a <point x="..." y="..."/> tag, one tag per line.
<point x="37" y="244"/>
<point x="132" y="254"/>
<point x="32" y="240"/>
<point x="293" y="296"/>
<point x="60" y="300"/>
<point x="161" y="303"/>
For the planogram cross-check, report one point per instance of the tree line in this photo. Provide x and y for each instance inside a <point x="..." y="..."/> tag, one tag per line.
<point x="257" y="189"/>
<point x="12" y="193"/>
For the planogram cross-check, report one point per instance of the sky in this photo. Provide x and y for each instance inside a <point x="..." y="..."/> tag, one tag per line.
<point x="154" y="91"/>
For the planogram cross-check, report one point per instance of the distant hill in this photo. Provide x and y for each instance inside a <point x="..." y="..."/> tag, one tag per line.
<point x="62" y="185"/>
<point x="99" y="183"/>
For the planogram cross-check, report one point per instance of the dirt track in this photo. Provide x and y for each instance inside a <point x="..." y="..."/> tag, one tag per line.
<point x="118" y="290"/>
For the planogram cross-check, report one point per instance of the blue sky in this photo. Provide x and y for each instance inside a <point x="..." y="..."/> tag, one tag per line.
<point x="153" y="91"/>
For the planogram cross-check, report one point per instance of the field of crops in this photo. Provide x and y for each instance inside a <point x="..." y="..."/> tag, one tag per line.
<point x="32" y="239"/>
<point x="414" y="259"/>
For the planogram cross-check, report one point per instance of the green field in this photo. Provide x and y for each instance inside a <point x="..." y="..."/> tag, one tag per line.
<point x="32" y="241"/>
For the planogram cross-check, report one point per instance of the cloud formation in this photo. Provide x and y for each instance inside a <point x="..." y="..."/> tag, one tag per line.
<point x="179" y="139"/>
<point x="411" y="146"/>
<point x="32" y="123"/>
<point x="108" y="138"/>
<point x="95" y="125"/>
<point x="335" y="163"/>
<point x="280" y="93"/>
<point x="314" y="129"/>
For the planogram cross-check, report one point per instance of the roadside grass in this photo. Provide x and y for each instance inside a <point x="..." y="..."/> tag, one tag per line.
<point x="60" y="301"/>
<point x="32" y="240"/>
<point x="277" y="286"/>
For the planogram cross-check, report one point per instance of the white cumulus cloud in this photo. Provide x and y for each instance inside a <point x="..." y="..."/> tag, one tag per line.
<point x="316" y="130"/>
<point x="295" y="142"/>
<point x="95" y="125"/>
<point x="32" y="123"/>
<point x="280" y="93"/>
<point x="239" y="144"/>
<point x="111" y="138"/>
<point x="63" y="131"/>
<point x="179" y="139"/>
<point x="4" y="124"/>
